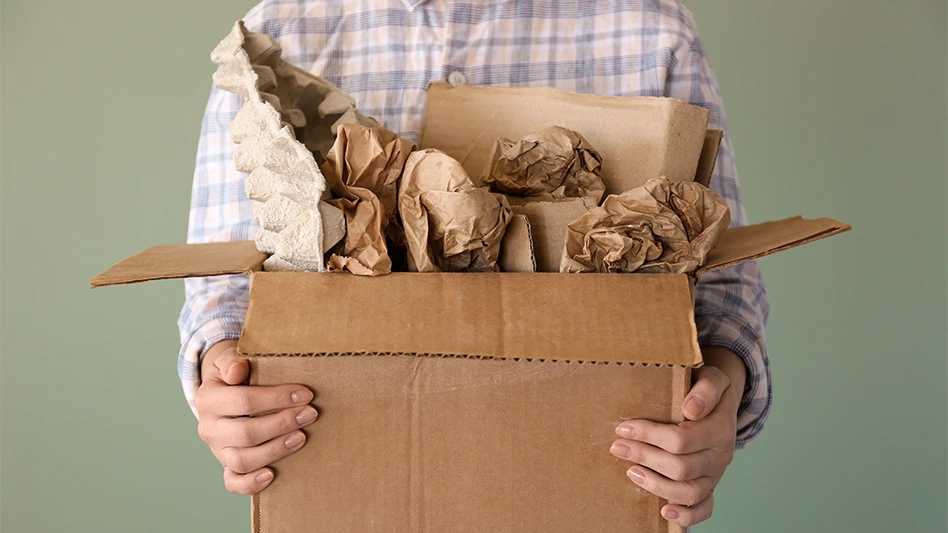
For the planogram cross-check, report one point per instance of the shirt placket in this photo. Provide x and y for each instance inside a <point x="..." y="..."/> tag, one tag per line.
<point x="458" y="23"/>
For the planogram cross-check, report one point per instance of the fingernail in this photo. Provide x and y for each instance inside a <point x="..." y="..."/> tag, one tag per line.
<point x="301" y="396"/>
<point x="694" y="407"/>
<point x="669" y="513"/>
<point x="626" y="431"/>
<point x="294" y="440"/>
<point x="264" y="476"/>
<point x="620" y="450"/>
<point x="637" y="476"/>
<point x="306" y="416"/>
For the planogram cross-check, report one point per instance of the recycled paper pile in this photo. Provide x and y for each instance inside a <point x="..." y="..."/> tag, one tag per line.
<point x="484" y="401"/>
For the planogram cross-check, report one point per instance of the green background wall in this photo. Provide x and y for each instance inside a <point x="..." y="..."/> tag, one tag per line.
<point x="836" y="108"/>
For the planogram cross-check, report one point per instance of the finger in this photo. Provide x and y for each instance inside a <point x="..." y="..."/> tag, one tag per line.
<point x="679" y="439"/>
<point x="678" y="492"/>
<point x="248" y="484"/>
<point x="239" y="400"/>
<point x="246" y="432"/>
<point x="710" y="384"/>
<point x="675" y="467"/>
<point x="233" y="369"/>
<point x="246" y="460"/>
<point x="689" y="516"/>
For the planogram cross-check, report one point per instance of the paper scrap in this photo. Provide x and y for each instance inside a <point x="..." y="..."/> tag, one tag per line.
<point x="555" y="160"/>
<point x="450" y="225"/>
<point x="660" y="227"/>
<point x="362" y="169"/>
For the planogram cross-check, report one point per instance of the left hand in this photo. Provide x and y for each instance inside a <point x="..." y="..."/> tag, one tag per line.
<point x="682" y="463"/>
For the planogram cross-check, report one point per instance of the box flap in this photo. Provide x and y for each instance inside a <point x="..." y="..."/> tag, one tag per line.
<point x="709" y="156"/>
<point x="639" y="138"/>
<point x="184" y="261"/>
<point x="644" y="318"/>
<point x="758" y="240"/>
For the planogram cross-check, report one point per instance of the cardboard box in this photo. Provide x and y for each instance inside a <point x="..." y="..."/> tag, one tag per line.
<point x="471" y="402"/>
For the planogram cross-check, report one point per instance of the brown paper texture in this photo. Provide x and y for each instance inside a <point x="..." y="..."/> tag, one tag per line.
<point x="548" y="220"/>
<point x="661" y="227"/>
<point x="556" y="160"/>
<point x="450" y="225"/>
<point x="362" y="169"/>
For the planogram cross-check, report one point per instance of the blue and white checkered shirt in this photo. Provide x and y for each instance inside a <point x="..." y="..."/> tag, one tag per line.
<point x="386" y="52"/>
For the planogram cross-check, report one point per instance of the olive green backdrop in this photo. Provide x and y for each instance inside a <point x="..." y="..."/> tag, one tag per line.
<point x="836" y="108"/>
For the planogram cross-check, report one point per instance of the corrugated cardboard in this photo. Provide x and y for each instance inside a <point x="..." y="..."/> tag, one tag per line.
<point x="516" y="250"/>
<point x="548" y="220"/>
<point x="639" y="138"/>
<point x="477" y="402"/>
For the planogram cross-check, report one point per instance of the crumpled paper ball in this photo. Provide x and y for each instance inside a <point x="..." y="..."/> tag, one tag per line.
<point x="450" y="225"/>
<point x="660" y="227"/>
<point x="556" y="160"/>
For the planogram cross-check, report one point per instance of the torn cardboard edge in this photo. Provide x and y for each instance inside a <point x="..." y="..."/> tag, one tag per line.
<point x="737" y="244"/>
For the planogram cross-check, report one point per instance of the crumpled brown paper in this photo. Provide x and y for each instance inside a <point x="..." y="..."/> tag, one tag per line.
<point x="556" y="160"/>
<point x="450" y="225"/>
<point x="362" y="170"/>
<point x="660" y="227"/>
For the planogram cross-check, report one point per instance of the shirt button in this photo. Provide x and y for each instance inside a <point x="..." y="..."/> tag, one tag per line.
<point x="457" y="78"/>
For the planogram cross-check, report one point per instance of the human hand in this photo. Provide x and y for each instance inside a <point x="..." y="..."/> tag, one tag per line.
<point x="248" y="428"/>
<point x="683" y="463"/>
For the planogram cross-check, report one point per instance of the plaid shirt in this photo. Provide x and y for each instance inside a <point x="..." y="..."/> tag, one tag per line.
<point x="386" y="52"/>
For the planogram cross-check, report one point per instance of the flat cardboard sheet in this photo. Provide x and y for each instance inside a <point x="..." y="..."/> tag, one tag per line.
<point x="184" y="261"/>
<point x="758" y="240"/>
<point x="419" y="444"/>
<point x="639" y="138"/>
<point x="644" y="318"/>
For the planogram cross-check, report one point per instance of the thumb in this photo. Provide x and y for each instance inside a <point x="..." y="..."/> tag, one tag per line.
<point x="233" y="369"/>
<point x="710" y="384"/>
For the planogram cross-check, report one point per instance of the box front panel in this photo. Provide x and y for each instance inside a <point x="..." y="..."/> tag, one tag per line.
<point x="432" y="444"/>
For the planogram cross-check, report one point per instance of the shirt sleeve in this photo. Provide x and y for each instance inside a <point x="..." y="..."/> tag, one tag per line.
<point x="731" y="306"/>
<point x="214" y="307"/>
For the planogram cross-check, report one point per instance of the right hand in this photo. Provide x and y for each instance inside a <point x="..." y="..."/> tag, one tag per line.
<point x="244" y="444"/>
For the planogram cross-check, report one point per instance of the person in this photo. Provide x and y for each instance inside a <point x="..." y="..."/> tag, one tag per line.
<point x="384" y="53"/>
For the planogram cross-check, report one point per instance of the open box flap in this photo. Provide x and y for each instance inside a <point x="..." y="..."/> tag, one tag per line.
<point x="758" y="240"/>
<point x="184" y="261"/>
<point x="642" y="318"/>
<point x="643" y="136"/>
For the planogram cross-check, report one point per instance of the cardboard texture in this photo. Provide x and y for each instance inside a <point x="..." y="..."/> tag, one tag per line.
<point x="516" y="250"/>
<point x="434" y="389"/>
<point x="548" y="220"/>
<point x="639" y="138"/>
<point x="709" y="156"/>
